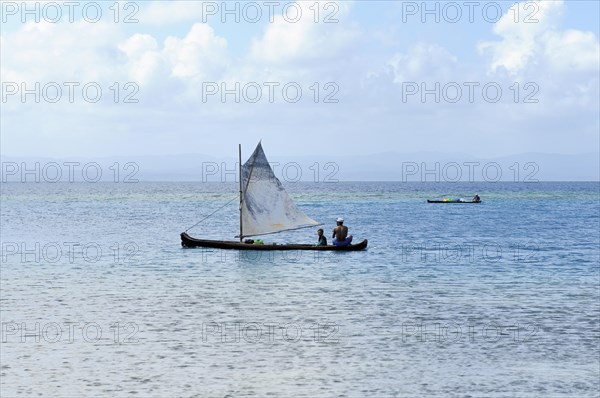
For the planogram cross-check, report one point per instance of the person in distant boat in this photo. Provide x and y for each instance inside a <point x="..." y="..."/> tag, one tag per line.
<point x="322" y="238"/>
<point x="340" y="234"/>
<point x="476" y="198"/>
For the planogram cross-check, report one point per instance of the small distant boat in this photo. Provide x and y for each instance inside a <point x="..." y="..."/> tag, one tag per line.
<point x="453" y="201"/>
<point x="265" y="208"/>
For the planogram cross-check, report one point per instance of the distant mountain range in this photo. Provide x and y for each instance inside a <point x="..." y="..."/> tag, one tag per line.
<point x="389" y="166"/>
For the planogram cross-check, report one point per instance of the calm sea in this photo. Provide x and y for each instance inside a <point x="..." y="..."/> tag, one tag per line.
<point x="498" y="299"/>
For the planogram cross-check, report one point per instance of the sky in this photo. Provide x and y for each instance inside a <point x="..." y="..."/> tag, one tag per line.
<point x="138" y="78"/>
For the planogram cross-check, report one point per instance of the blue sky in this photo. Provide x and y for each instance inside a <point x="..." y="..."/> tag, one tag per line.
<point x="378" y="78"/>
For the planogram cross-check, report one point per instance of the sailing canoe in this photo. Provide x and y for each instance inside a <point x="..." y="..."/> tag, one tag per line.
<point x="188" y="241"/>
<point x="265" y="208"/>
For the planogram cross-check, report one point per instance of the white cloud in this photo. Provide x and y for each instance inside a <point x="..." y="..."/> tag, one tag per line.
<point x="177" y="68"/>
<point x="170" y="72"/>
<point x="424" y="61"/>
<point x="170" y="12"/>
<point x="285" y="42"/>
<point x="572" y="50"/>
<point x="103" y="52"/>
<point x="45" y="51"/>
<point x="145" y="61"/>
<point x="534" y="39"/>
<point x="200" y="53"/>
<point x="138" y="44"/>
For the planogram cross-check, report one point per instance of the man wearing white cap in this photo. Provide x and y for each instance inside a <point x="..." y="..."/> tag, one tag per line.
<point x="340" y="234"/>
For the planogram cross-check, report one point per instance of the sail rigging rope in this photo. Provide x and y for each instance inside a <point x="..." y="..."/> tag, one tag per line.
<point x="234" y="198"/>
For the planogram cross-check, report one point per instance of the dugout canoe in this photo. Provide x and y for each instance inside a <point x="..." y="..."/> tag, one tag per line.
<point x="188" y="241"/>
<point x="451" y="201"/>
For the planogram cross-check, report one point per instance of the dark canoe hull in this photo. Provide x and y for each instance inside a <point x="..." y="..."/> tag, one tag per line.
<point x="188" y="241"/>
<point x="441" y="201"/>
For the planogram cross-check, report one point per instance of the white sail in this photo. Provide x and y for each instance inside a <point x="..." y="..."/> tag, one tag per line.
<point x="266" y="207"/>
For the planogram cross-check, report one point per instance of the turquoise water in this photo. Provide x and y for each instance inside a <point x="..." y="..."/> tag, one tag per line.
<point x="496" y="299"/>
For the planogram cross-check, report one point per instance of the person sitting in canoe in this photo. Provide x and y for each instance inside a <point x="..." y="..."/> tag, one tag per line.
<point x="322" y="238"/>
<point x="340" y="234"/>
<point x="476" y="198"/>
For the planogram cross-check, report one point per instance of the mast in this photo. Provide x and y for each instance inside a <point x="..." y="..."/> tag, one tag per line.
<point x="241" y="196"/>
